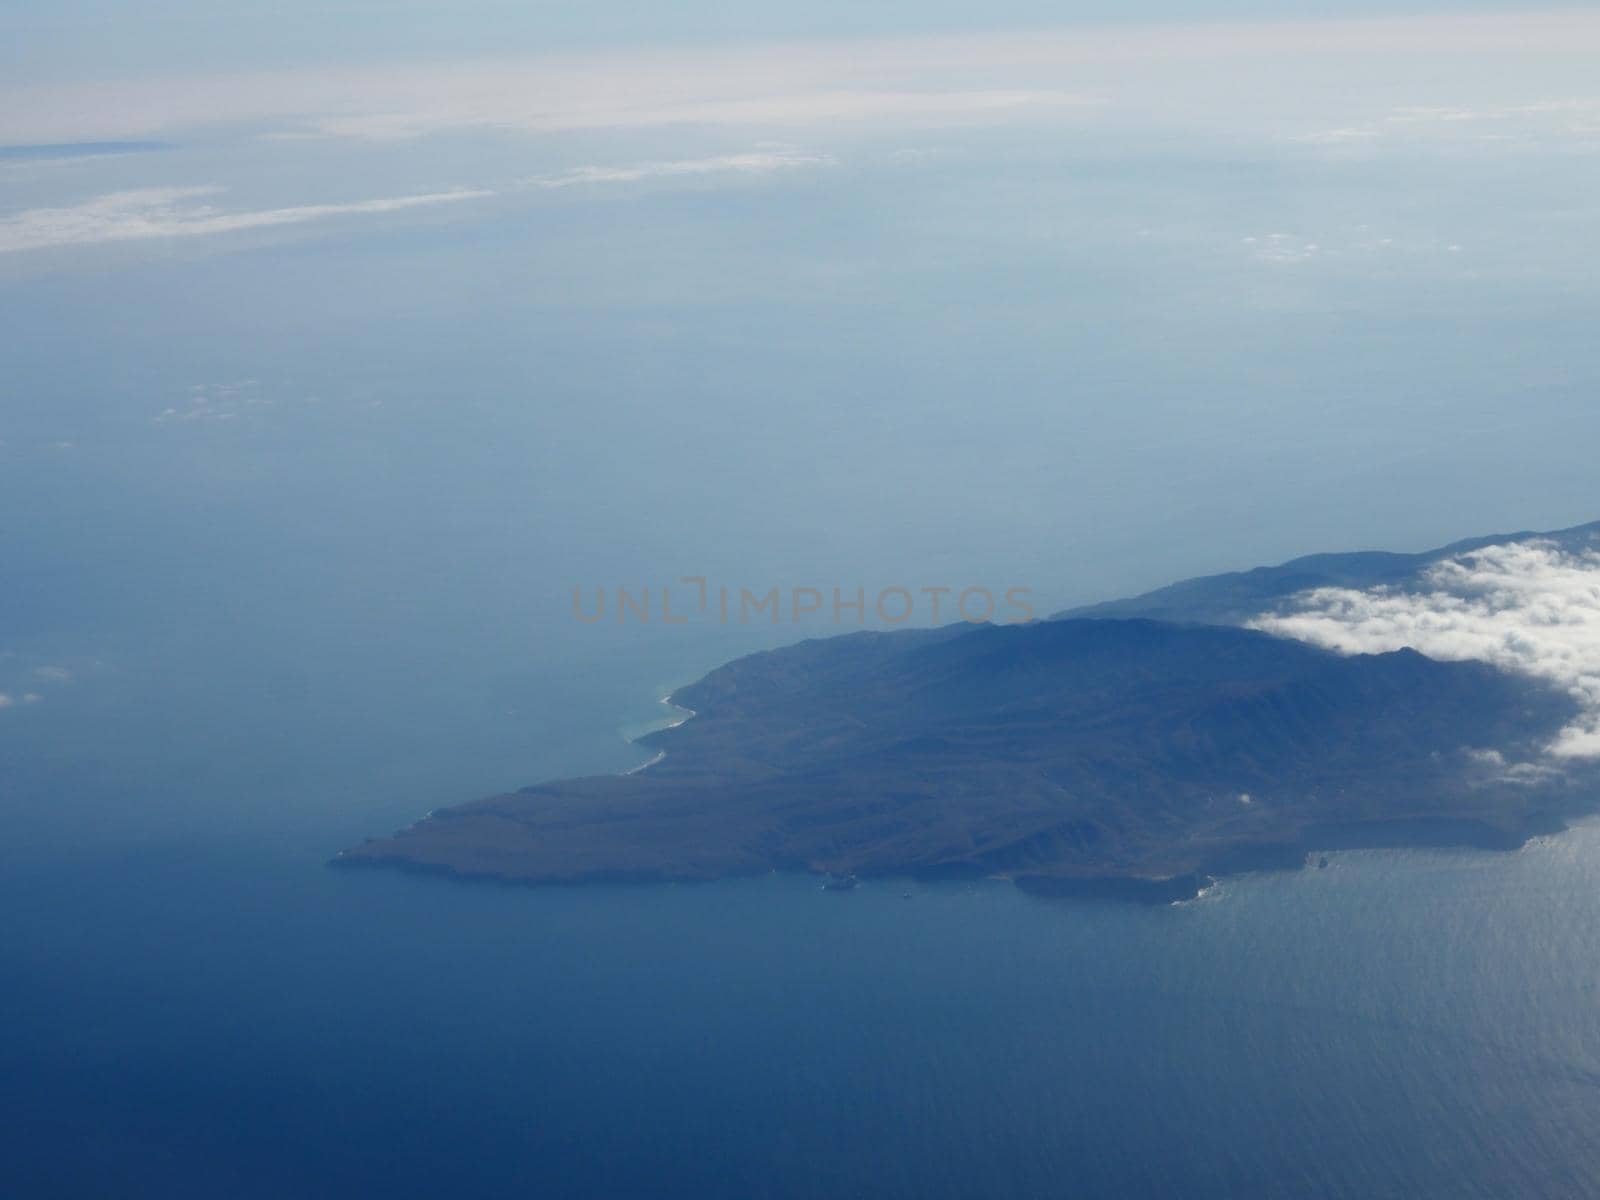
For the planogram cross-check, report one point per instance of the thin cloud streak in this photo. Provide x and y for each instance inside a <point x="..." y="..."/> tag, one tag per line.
<point x="795" y="109"/>
<point x="736" y="164"/>
<point x="928" y="80"/>
<point x="173" y="212"/>
<point x="180" y="211"/>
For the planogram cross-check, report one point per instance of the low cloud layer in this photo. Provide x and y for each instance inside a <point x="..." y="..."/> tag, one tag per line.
<point x="1571" y="120"/>
<point x="178" y="212"/>
<point x="183" y="212"/>
<point x="734" y="164"/>
<point x="1284" y="76"/>
<point x="861" y="107"/>
<point x="1528" y="607"/>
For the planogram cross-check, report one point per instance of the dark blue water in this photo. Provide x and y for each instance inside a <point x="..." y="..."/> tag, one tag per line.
<point x="195" y="1005"/>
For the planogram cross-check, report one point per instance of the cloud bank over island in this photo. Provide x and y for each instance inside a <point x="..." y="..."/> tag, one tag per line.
<point x="1528" y="607"/>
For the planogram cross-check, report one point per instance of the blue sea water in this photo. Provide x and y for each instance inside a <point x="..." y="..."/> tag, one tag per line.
<point x="197" y="1005"/>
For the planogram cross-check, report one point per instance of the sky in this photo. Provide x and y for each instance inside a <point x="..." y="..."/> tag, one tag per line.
<point x="99" y="37"/>
<point x="348" y="327"/>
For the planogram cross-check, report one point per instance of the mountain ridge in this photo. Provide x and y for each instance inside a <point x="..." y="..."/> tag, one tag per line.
<point x="1234" y="596"/>
<point x="1126" y="756"/>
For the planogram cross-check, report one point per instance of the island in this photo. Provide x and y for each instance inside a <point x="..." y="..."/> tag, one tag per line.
<point x="1104" y="753"/>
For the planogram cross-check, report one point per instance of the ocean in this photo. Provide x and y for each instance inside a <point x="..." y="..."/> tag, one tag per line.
<point x="197" y="1005"/>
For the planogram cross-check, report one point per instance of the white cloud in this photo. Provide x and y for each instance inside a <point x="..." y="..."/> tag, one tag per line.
<point x="6" y="701"/>
<point x="217" y="402"/>
<point x="1571" y="122"/>
<point x="1576" y="113"/>
<point x="52" y="674"/>
<point x="510" y="111"/>
<point x="1528" y="607"/>
<point x="182" y="212"/>
<point x="1335" y="137"/>
<point x="1508" y="772"/>
<point x="739" y="164"/>
<point x="1281" y="248"/>
<point x="176" y="212"/>
<point x="1287" y="76"/>
<point x="1352" y="246"/>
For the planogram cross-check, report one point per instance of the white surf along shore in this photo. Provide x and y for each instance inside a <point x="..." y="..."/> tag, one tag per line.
<point x="680" y="715"/>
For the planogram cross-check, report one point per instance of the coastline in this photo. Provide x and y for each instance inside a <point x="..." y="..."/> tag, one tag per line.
<point x="1442" y="833"/>
<point x="868" y="755"/>
<point x="655" y="727"/>
<point x="1406" y="833"/>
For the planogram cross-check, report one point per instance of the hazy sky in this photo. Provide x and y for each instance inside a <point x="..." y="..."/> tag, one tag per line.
<point x="490" y="302"/>
<point x="78" y="38"/>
